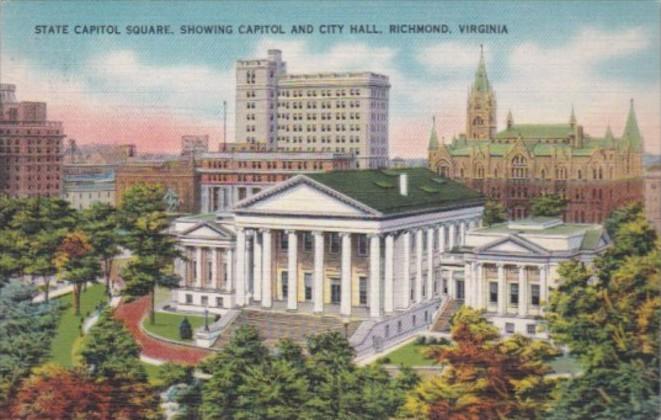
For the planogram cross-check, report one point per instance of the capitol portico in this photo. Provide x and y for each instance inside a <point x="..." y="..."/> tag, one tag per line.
<point x="360" y="244"/>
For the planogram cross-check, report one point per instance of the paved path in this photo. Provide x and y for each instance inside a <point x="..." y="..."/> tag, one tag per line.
<point x="132" y="313"/>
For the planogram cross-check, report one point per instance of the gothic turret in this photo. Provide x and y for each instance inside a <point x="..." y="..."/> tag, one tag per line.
<point x="481" y="107"/>
<point x="631" y="131"/>
<point x="572" y="118"/>
<point x="510" y="120"/>
<point x="433" y="137"/>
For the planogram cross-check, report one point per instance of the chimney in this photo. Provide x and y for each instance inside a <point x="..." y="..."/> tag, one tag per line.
<point x="403" y="184"/>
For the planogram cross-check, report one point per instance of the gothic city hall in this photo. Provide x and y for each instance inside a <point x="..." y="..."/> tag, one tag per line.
<point x="595" y="174"/>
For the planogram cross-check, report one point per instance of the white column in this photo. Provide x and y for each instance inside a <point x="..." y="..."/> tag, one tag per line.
<point x="523" y="292"/>
<point x="214" y="267"/>
<point x="375" y="276"/>
<point x="451" y="285"/>
<point x="481" y="291"/>
<point x="430" y="263"/>
<point x="451" y="236"/>
<point x="502" y="290"/>
<point x="267" y="286"/>
<point x="345" y="281"/>
<point x="318" y="281"/>
<point x="240" y="280"/>
<point x="406" y="270"/>
<point x="543" y="287"/>
<point x="199" y="267"/>
<point x="469" y="290"/>
<point x="418" y="266"/>
<point x="257" y="267"/>
<point x="441" y="239"/>
<point x="389" y="285"/>
<point x="292" y="271"/>
<point x="230" y="270"/>
<point x="462" y="233"/>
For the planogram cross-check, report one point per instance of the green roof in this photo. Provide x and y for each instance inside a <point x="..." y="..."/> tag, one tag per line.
<point x="201" y="217"/>
<point x="631" y="131"/>
<point x="481" y="83"/>
<point x="379" y="189"/>
<point x="564" y="229"/>
<point x="536" y="131"/>
<point x="591" y="238"/>
<point x="433" y="138"/>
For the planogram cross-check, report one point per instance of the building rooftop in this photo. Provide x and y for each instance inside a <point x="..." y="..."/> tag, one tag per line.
<point x="380" y="189"/>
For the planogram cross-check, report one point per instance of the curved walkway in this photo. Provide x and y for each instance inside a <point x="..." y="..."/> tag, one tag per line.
<point x="132" y="313"/>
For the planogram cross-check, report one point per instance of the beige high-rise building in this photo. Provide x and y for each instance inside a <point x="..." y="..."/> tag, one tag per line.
<point x="321" y="112"/>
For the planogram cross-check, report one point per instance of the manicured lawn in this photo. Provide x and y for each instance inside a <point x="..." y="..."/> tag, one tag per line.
<point x="167" y="324"/>
<point x="410" y="355"/>
<point x="68" y="330"/>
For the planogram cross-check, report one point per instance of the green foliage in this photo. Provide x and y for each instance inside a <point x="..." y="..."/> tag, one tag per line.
<point x="622" y="216"/>
<point x="494" y="212"/>
<point x="110" y="352"/>
<point x="485" y="376"/>
<point x="101" y="224"/>
<point x="248" y="382"/>
<point x="185" y="330"/>
<point x="154" y="249"/>
<point x="26" y="330"/>
<point x="610" y="316"/>
<point x="171" y="374"/>
<point x="549" y="205"/>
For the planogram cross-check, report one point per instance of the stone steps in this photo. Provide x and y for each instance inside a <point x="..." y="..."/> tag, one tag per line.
<point x="273" y="326"/>
<point x="442" y="322"/>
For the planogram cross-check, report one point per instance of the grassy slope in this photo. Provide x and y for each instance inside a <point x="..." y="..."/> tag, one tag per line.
<point x="68" y="331"/>
<point x="410" y="355"/>
<point x="167" y="324"/>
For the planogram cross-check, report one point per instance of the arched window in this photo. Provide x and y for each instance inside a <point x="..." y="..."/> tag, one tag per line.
<point x="543" y="174"/>
<point x="519" y="167"/>
<point x="479" y="171"/>
<point x="478" y="121"/>
<point x="579" y="174"/>
<point x="443" y="168"/>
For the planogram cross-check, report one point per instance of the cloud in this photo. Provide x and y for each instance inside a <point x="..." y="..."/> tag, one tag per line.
<point x="452" y="57"/>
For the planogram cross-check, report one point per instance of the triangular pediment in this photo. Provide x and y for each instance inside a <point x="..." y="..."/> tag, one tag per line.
<point x="512" y="244"/>
<point x="207" y="231"/>
<point x="306" y="197"/>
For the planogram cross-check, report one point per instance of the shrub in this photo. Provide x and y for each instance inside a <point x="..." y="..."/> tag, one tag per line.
<point x="420" y="340"/>
<point x="185" y="330"/>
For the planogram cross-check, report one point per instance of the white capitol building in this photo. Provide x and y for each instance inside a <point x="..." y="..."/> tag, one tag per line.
<point x="385" y="252"/>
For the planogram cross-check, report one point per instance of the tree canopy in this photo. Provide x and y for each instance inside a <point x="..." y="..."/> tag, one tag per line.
<point x="485" y="376"/>
<point x="609" y="316"/>
<point x="549" y="205"/>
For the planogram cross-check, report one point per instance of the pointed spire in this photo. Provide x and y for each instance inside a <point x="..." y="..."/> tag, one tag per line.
<point x="510" y="120"/>
<point x="481" y="83"/>
<point x="631" y="130"/>
<point x="572" y="117"/>
<point x="609" y="133"/>
<point x="433" y="137"/>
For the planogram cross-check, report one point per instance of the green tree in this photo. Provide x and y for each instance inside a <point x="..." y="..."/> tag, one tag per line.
<point x="222" y="392"/>
<point x="172" y="374"/>
<point x="609" y="316"/>
<point x="485" y="376"/>
<point x="112" y="357"/>
<point x="494" y="212"/>
<point x="26" y="331"/>
<point x="622" y="216"/>
<point x="41" y="224"/>
<point x="100" y="223"/>
<point x="109" y="351"/>
<point x="76" y="263"/>
<point x="549" y="205"/>
<point x="153" y="247"/>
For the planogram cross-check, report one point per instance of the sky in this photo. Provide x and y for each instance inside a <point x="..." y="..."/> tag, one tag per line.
<point x="151" y="89"/>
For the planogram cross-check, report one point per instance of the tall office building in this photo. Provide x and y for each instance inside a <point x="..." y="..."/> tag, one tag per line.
<point x="30" y="148"/>
<point x="321" y="112"/>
